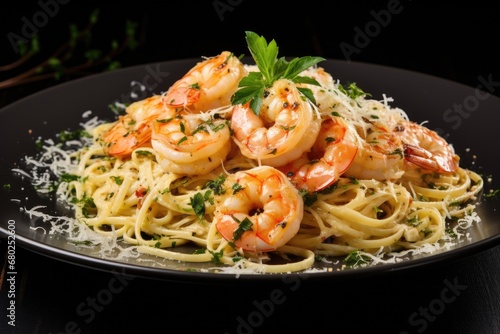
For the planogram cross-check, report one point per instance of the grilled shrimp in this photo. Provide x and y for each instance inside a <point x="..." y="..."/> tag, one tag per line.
<point x="380" y="155"/>
<point x="209" y="84"/>
<point x="323" y="95"/>
<point x="286" y="127"/>
<point x="259" y="210"/>
<point x="191" y="143"/>
<point x="332" y="153"/>
<point x="133" y="129"/>
<point x="425" y="148"/>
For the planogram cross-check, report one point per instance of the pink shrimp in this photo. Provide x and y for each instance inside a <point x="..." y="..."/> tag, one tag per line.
<point x="380" y="154"/>
<point x="133" y="130"/>
<point x="426" y="149"/>
<point x="286" y="126"/>
<point x="191" y="143"/>
<point x="332" y="153"/>
<point x="209" y="84"/>
<point x="259" y="209"/>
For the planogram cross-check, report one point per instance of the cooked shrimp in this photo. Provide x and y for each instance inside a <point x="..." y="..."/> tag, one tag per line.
<point x="426" y="149"/>
<point x="259" y="210"/>
<point x="286" y="127"/>
<point x="191" y="144"/>
<point x="331" y="154"/>
<point x="209" y="84"/>
<point x="379" y="156"/>
<point x="323" y="94"/>
<point x="133" y="129"/>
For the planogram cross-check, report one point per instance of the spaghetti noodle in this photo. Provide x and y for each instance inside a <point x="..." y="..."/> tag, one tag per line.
<point x="159" y="176"/>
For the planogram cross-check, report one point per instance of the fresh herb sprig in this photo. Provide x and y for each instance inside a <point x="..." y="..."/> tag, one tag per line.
<point x="252" y="87"/>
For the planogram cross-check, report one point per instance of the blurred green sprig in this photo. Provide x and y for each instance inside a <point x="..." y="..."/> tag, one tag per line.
<point x="75" y="57"/>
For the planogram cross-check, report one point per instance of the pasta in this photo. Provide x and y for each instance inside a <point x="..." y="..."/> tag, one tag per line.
<point x="171" y="172"/>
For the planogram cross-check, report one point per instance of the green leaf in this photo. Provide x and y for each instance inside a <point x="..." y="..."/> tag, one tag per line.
<point x="246" y="94"/>
<point x="114" y="65"/>
<point x="217" y="184"/>
<point x="131" y="31"/>
<point x="307" y="93"/>
<point x="35" y="45"/>
<point x="198" y="204"/>
<point x="252" y="87"/>
<point x="94" y="16"/>
<point x="256" y="104"/>
<point x="356" y="259"/>
<point x="73" y="33"/>
<point x="118" y="180"/>
<point x="353" y="91"/>
<point x="66" y="177"/>
<point x="306" y="80"/>
<point x="264" y="54"/>
<point x="23" y="49"/>
<point x="93" y="54"/>
<point x="216" y="256"/>
<point x="297" y="65"/>
<point x="54" y="62"/>
<point x="243" y="225"/>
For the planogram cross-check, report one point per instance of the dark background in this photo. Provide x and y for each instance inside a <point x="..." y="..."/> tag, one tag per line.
<point x="456" y="42"/>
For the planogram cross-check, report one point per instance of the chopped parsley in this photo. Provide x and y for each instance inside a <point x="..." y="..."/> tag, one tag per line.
<point x="252" y="87"/>
<point x="197" y="202"/>
<point x="356" y="259"/>
<point x="492" y="194"/>
<point x="216" y="184"/>
<point x="86" y="203"/>
<point x="353" y="91"/>
<point x="146" y="154"/>
<point x="237" y="187"/>
<point x="65" y="136"/>
<point x="118" y="180"/>
<point x="243" y="225"/>
<point x="216" y="256"/>
<point x="66" y="177"/>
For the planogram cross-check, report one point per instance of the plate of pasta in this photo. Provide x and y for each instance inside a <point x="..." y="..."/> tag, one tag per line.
<point x="252" y="167"/>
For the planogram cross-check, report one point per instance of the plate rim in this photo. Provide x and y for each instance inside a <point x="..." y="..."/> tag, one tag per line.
<point x="68" y="256"/>
<point x="131" y="269"/>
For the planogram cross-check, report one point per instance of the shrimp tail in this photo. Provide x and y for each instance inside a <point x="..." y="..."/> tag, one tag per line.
<point x="425" y="159"/>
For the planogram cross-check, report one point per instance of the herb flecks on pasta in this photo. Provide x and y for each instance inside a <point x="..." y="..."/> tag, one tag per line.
<point x="247" y="163"/>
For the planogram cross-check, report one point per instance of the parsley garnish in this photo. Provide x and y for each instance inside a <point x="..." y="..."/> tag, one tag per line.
<point x="86" y="203"/>
<point x="145" y="153"/>
<point x="65" y="136"/>
<point x="243" y="225"/>
<point x="308" y="197"/>
<point x="216" y="256"/>
<point x="356" y="259"/>
<point x="492" y="194"/>
<point x="353" y="91"/>
<point x="66" y="177"/>
<point x="397" y="151"/>
<point x="353" y="180"/>
<point x="118" y="180"/>
<point x="216" y="184"/>
<point x="413" y="222"/>
<point x="198" y="204"/>
<point x="252" y="87"/>
<point x="237" y="187"/>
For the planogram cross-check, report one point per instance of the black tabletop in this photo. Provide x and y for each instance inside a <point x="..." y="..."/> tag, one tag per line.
<point x="456" y="42"/>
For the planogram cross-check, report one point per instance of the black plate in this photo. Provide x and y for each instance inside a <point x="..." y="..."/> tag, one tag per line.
<point x="466" y="116"/>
